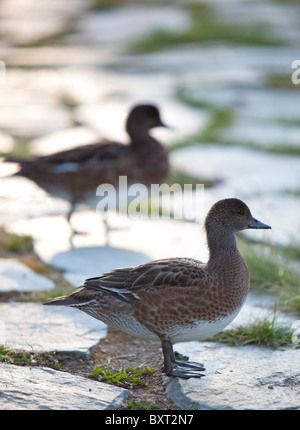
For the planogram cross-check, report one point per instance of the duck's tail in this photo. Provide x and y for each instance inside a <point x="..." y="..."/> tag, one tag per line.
<point x="67" y="300"/>
<point x="59" y="301"/>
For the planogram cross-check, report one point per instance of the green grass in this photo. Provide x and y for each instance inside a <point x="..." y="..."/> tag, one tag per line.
<point x="130" y="377"/>
<point x="181" y="357"/>
<point x="5" y="355"/>
<point x="182" y="178"/>
<point x="21" y="150"/>
<point x="21" y="247"/>
<point x="291" y="251"/>
<point x="205" y="27"/>
<point x="25" y="358"/>
<point x="265" y="333"/>
<point x="288" y="121"/>
<point x="14" y="243"/>
<point x="53" y="39"/>
<point x="68" y="101"/>
<point x="138" y="405"/>
<point x="159" y="204"/>
<point x="105" y="4"/>
<point x="275" y="148"/>
<point x="287" y="2"/>
<point x="219" y="118"/>
<point x="42" y="296"/>
<point x="213" y="135"/>
<point x="281" y="81"/>
<point x="271" y="272"/>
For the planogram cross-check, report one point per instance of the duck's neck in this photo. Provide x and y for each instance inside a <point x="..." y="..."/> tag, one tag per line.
<point x="136" y="131"/>
<point x="222" y="246"/>
<point x="141" y="140"/>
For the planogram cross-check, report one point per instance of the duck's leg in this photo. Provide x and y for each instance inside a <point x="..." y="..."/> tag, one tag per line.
<point x="73" y="204"/>
<point x="191" y="364"/>
<point x="174" y="368"/>
<point x="71" y="210"/>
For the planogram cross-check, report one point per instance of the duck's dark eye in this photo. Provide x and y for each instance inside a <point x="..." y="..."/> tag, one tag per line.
<point x="238" y="211"/>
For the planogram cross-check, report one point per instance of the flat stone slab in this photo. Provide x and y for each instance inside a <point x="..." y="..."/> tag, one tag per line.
<point x="63" y="140"/>
<point x="254" y="103"/>
<point x="241" y="377"/>
<point x="6" y="142"/>
<point x="38" y="21"/>
<point x="33" y="120"/>
<point x="234" y="165"/>
<point x="38" y="328"/>
<point x="245" y="377"/>
<point x="21" y="196"/>
<point x="16" y="276"/>
<point x="239" y="63"/>
<point x="245" y="131"/>
<point x="129" y="22"/>
<point x="43" y="388"/>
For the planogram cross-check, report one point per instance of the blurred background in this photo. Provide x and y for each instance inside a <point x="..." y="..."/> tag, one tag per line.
<point x="220" y="72"/>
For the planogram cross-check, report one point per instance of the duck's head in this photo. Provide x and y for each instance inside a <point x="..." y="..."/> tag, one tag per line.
<point x="231" y="215"/>
<point x="143" y="117"/>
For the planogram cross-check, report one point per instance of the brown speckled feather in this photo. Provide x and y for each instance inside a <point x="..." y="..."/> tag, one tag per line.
<point x="167" y="286"/>
<point x="153" y="276"/>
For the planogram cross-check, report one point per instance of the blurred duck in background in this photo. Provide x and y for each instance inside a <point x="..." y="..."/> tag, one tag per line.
<point x="75" y="174"/>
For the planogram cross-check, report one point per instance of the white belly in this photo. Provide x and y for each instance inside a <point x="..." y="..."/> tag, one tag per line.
<point x="201" y="330"/>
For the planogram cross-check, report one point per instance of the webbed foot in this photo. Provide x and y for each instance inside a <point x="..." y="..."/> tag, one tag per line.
<point x="179" y="369"/>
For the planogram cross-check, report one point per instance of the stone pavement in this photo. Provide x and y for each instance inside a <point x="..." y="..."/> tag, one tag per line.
<point x="17" y="277"/>
<point x="62" y="93"/>
<point x="239" y="378"/>
<point x="236" y="377"/>
<point x="41" y="388"/>
<point x="32" y="327"/>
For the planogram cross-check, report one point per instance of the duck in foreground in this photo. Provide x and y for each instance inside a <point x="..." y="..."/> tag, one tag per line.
<point x="176" y="299"/>
<point x="75" y="174"/>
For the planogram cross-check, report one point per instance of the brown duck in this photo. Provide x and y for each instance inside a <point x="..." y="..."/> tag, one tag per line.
<point x="75" y="174"/>
<point x="176" y="299"/>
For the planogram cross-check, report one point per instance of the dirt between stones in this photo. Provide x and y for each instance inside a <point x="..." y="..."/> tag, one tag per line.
<point x="119" y="350"/>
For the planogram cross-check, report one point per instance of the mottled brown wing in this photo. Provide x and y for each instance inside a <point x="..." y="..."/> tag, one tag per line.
<point x="79" y="170"/>
<point x="153" y="276"/>
<point x="101" y="151"/>
<point x="126" y="283"/>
